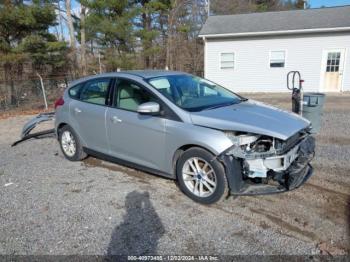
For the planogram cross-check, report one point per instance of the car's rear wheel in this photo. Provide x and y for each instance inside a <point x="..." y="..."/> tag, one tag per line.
<point x="201" y="176"/>
<point x="70" y="144"/>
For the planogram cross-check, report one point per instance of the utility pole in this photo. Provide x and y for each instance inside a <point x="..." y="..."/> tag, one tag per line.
<point x="208" y="6"/>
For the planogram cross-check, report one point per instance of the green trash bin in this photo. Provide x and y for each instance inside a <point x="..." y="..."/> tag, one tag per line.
<point x="312" y="109"/>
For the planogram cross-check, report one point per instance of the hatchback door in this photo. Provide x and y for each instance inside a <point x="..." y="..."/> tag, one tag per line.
<point x="88" y="110"/>
<point x="134" y="137"/>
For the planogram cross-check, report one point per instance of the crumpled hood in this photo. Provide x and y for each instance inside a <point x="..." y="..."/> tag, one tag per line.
<point x="253" y="117"/>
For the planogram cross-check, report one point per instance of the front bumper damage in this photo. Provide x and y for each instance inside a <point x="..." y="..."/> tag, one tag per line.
<point x="274" y="174"/>
<point x="34" y="122"/>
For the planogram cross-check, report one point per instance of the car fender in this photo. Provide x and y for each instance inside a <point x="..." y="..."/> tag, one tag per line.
<point x="180" y="134"/>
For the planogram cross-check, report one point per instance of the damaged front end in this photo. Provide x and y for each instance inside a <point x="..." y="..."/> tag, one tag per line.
<point x="258" y="164"/>
<point x="32" y="124"/>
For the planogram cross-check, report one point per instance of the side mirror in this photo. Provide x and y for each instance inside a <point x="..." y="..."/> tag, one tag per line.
<point x="149" y="108"/>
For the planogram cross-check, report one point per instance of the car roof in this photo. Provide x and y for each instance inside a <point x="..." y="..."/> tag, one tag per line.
<point x="151" y="73"/>
<point x="132" y="74"/>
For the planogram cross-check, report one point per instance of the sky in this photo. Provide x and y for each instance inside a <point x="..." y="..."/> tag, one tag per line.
<point x="319" y="3"/>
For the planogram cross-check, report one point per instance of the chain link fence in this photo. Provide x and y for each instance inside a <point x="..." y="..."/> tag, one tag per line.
<point x="28" y="93"/>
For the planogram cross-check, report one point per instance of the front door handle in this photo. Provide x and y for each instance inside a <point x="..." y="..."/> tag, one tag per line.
<point x="77" y="110"/>
<point x="115" y="119"/>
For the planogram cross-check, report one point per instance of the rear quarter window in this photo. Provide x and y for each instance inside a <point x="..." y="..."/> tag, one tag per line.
<point x="74" y="91"/>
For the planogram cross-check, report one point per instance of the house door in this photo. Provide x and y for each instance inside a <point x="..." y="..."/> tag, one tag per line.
<point x="333" y="66"/>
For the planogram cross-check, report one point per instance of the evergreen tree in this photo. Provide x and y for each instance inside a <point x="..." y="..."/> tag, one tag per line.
<point x="25" y="37"/>
<point x="111" y="24"/>
<point x="147" y="21"/>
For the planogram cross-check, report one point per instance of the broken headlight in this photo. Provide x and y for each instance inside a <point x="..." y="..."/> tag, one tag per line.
<point x="240" y="140"/>
<point x="251" y="142"/>
<point x="263" y="145"/>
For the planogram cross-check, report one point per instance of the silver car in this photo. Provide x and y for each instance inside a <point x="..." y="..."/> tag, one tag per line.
<point x="213" y="142"/>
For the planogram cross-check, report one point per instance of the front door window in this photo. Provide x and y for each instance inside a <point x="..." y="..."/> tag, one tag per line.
<point x="130" y="95"/>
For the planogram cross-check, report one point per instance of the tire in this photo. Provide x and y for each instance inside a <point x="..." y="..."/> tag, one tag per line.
<point x="72" y="149"/>
<point x="210" y="169"/>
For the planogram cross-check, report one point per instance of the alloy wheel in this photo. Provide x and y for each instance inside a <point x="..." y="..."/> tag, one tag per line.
<point x="199" y="177"/>
<point x="68" y="143"/>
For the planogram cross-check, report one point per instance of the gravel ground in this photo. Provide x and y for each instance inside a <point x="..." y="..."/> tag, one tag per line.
<point x="49" y="205"/>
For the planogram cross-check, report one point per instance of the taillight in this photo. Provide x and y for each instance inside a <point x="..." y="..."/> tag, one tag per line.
<point x="59" y="102"/>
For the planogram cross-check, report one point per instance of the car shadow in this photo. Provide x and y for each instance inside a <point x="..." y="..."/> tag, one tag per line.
<point x="140" y="230"/>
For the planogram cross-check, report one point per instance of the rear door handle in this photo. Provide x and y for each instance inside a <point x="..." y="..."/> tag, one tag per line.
<point x="115" y="119"/>
<point x="77" y="110"/>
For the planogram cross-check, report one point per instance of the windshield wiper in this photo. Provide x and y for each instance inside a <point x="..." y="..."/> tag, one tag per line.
<point x="220" y="105"/>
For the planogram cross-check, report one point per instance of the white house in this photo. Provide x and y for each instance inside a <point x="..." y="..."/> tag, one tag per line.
<point x="254" y="52"/>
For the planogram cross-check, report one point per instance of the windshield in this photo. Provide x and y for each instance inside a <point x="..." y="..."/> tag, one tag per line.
<point x="193" y="93"/>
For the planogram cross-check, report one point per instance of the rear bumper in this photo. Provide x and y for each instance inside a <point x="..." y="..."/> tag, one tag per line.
<point x="32" y="123"/>
<point x="278" y="182"/>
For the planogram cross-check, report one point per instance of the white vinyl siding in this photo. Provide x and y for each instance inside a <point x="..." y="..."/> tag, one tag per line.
<point x="277" y="59"/>
<point x="227" y="60"/>
<point x="302" y="52"/>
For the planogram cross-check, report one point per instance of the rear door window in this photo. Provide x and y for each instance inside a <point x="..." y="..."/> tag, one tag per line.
<point x="95" y="91"/>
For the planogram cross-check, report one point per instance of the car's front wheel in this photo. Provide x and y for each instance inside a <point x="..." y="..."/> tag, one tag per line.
<point x="70" y="144"/>
<point x="201" y="176"/>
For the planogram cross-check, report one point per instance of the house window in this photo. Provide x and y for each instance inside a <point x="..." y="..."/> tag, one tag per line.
<point x="227" y="60"/>
<point x="277" y="58"/>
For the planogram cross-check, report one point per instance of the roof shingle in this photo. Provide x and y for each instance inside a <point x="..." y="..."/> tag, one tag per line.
<point x="322" y="18"/>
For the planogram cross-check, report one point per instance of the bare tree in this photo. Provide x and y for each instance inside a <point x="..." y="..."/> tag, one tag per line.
<point x="70" y="23"/>
<point x="60" y="19"/>
<point x="83" y="39"/>
<point x="175" y="8"/>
